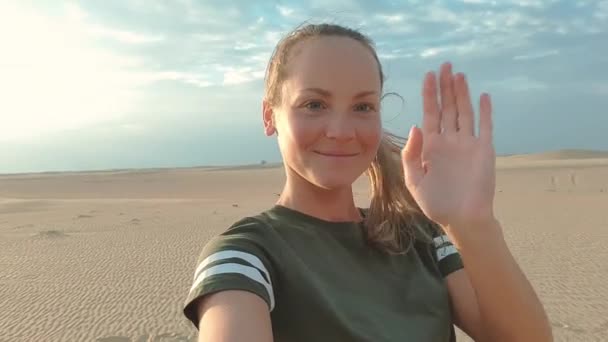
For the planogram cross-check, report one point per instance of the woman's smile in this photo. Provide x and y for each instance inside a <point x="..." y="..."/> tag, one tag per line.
<point x="336" y="154"/>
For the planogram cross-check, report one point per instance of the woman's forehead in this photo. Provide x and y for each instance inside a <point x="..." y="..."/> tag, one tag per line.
<point x="336" y="64"/>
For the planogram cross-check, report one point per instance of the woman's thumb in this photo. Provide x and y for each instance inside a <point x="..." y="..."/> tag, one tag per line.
<point x="411" y="157"/>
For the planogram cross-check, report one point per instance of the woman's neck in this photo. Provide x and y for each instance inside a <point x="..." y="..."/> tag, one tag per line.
<point x="331" y="205"/>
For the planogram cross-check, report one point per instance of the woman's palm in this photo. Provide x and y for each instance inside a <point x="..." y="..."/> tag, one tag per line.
<point x="450" y="171"/>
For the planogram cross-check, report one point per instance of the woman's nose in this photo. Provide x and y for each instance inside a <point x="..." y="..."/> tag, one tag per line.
<point x="340" y="128"/>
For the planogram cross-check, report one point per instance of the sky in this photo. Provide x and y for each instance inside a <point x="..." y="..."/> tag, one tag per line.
<point x="91" y="85"/>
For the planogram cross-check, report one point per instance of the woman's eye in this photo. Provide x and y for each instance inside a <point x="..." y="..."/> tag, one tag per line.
<point x="314" y="105"/>
<point x="365" y="107"/>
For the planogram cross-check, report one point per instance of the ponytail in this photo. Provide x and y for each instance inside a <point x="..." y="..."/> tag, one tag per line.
<point x="394" y="219"/>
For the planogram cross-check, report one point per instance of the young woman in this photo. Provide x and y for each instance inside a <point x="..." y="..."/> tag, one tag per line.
<point x="427" y="254"/>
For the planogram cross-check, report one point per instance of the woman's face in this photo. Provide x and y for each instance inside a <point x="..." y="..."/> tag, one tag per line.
<point x="328" y="122"/>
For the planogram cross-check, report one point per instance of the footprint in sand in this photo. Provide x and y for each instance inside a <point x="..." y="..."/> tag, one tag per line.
<point x="50" y="234"/>
<point x="573" y="179"/>
<point x="29" y="225"/>
<point x="601" y="327"/>
<point x="566" y="326"/>
<point x="135" y="221"/>
<point x="113" y="339"/>
<point x="82" y="216"/>
<point x="554" y="184"/>
<point x="168" y="337"/>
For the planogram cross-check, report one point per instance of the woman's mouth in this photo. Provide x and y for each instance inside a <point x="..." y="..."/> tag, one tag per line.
<point x="336" y="154"/>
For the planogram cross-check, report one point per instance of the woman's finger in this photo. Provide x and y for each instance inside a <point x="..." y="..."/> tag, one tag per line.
<point x="486" y="125"/>
<point x="431" y="119"/>
<point x="466" y="114"/>
<point x="449" y="114"/>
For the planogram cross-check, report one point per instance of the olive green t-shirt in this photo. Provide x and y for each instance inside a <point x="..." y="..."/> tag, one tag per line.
<point x="323" y="282"/>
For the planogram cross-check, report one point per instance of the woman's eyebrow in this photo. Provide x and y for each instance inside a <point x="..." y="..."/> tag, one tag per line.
<point x="327" y="93"/>
<point x="322" y="92"/>
<point x="365" y="93"/>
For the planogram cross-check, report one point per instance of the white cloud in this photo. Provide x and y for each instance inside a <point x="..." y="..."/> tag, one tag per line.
<point x="259" y="58"/>
<point x="259" y="24"/>
<point x="393" y="55"/>
<point x="528" y="3"/>
<point x="238" y="75"/>
<point x="52" y="79"/>
<point x="480" y="2"/>
<point x="521" y="3"/>
<point x="124" y="36"/>
<point x="79" y="18"/>
<point x="55" y="78"/>
<point x="155" y="6"/>
<point x="431" y="52"/>
<point x="245" y="46"/>
<point x="457" y="49"/>
<point x="536" y="55"/>
<point x="189" y="78"/>
<point x="440" y="14"/>
<point x="285" y="11"/>
<point x="393" y="24"/>
<point x="518" y="83"/>
<point x="209" y="37"/>
<point x="335" y="4"/>
<point x="602" y="10"/>
<point x="75" y="13"/>
<point x="509" y="23"/>
<point x="512" y="21"/>
<point x="67" y="61"/>
<point x="391" y="18"/>
<point x="273" y="37"/>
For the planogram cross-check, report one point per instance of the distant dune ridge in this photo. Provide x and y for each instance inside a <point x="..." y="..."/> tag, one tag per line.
<point x="109" y="256"/>
<point x="550" y="155"/>
<point x="561" y="154"/>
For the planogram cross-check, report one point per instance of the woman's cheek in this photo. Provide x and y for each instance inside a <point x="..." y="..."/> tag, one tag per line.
<point x="305" y="130"/>
<point x="371" y="132"/>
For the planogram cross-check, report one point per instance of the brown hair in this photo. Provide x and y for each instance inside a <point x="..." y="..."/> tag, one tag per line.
<point x="394" y="219"/>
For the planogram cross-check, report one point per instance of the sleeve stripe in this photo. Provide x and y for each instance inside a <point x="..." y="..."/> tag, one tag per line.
<point x="251" y="272"/>
<point x="445" y="251"/>
<point x="227" y="254"/>
<point x="440" y="240"/>
<point x="247" y="271"/>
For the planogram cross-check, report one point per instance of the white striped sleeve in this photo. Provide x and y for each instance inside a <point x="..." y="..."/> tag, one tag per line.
<point x="237" y="259"/>
<point x="448" y="257"/>
<point x="251" y="268"/>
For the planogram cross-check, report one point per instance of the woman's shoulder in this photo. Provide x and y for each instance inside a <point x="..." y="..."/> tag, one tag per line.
<point x="250" y="230"/>
<point x="254" y="230"/>
<point x="256" y="223"/>
<point x="239" y="258"/>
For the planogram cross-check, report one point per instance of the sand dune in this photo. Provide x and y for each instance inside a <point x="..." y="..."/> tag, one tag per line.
<point x="561" y="158"/>
<point x="109" y="256"/>
<point x="562" y="154"/>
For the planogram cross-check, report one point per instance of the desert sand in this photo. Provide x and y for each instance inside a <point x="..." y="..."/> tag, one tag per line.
<point x="109" y="255"/>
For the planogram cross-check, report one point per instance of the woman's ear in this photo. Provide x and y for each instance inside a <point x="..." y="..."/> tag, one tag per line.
<point x="268" y="118"/>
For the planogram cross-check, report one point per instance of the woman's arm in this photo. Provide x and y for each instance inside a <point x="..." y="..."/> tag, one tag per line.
<point x="465" y="310"/>
<point x="508" y="308"/>
<point x="234" y="316"/>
